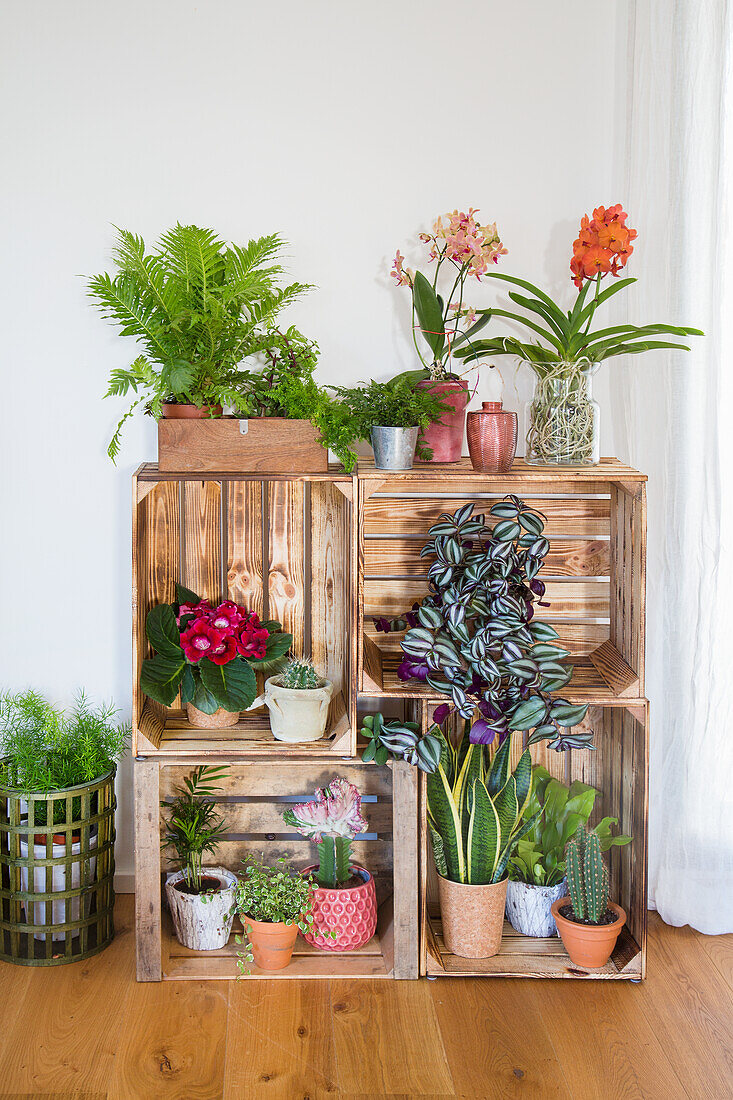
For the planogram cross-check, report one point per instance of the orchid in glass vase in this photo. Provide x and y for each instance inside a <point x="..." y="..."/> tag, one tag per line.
<point x="563" y="419"/>
<point x="461" y="248"/>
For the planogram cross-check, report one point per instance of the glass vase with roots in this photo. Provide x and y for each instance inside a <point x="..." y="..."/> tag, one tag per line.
<point x="563" y="421"/>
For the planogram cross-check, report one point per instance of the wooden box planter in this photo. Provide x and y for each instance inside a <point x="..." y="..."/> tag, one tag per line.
<point x="595" y="571"/>
<point x="57" y="892"/>
<point x="229" y="445"/>
<point x="282" y="546"/>
<point x="253" y="800"/>
<point x="618" y="769"/>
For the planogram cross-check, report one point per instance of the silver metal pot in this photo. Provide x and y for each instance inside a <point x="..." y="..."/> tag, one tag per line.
<point x="394" y="448"/>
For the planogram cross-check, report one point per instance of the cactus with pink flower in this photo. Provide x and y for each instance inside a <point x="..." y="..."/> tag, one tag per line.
<point x="331" y="820"/>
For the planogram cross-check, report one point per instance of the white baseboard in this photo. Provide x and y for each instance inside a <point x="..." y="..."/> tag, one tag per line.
<point x="125" y="882"/>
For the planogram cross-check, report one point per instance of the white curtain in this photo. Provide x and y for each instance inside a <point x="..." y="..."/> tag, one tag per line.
<point x="674" y="420"/>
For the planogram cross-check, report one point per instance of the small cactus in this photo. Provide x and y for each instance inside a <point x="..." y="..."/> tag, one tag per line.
<point x="299" y="674"/>
<point x="587" y="876"/>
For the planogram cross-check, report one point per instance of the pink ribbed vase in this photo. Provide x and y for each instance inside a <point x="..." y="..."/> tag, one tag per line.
<point x="492" y="438"/>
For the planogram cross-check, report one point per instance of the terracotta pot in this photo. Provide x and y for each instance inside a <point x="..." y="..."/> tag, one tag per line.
<point x="351" y="912"/>
<point x="272" y="944"/>
<point x="492" y="438"/>
<point x="220" y="720"/>
<point x="173" y="411"/>
<point x="446" y="437"/>
<point x="588" y="945"/>
<point x="473" y="917"/>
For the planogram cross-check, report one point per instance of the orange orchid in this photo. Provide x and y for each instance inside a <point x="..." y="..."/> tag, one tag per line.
<point x="603" y="245"/>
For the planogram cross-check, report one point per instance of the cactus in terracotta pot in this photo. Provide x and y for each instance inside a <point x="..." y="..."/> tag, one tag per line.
<point x="589" y="925"/>
<point x="344" y="903"/>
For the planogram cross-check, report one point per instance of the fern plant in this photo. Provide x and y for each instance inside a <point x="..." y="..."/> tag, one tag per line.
<point x="197" y="308"/>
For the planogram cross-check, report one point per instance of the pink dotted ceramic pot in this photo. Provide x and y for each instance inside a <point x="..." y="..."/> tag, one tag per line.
<point x="351" y="912"/>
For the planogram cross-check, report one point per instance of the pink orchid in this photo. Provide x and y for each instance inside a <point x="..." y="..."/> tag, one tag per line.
<point x="403" y="277"/>
<point x="335" y="811"/>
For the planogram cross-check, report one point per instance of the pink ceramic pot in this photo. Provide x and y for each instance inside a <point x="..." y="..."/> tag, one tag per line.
<point x="446" y="438"/>
<point x="492" y="438"/>
<point x="351" y="912"/>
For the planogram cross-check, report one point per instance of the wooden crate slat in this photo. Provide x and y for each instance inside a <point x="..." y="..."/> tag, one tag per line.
<point x="430" y="474"/>
<point x="293" y="779"/>
<point x="244" y="545"/>
<point x="286" y="558"/>
<point x="580" y="640"/>
<point x="202" y="532"/>
<point x="394" y="557"/>
<point x="330" y="563"/>
<point x="568" y="599"/>
<point x="266" y="817"/>
<point x="567" y="517"/>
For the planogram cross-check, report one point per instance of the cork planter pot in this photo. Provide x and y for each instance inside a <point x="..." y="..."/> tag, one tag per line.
<point x="588" y="945"/>
<point x="473" y="917"/>
<point x="220" y="720"/>
<point x="202" y="922"/>
<point x="349" y="911"/>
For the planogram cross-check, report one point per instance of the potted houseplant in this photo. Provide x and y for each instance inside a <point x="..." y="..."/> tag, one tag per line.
<point x="197" y="308"/>
<point x="389" y="415"/>
<point x="274" y="904"/>
<point x="563" y="418"/>
<point x="461" y="247"/>
<point x="209" y="654"/>
<point x="537" y="868"/>
<point x="57" y="774"/>
<point x="588" y="923"/>
<point x="298" y="700"/>
<point x="344" y="898"/>
<point x="200" y="898"/>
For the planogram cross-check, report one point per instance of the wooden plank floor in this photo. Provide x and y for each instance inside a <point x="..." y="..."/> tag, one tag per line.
<point x="90" y="1031"/>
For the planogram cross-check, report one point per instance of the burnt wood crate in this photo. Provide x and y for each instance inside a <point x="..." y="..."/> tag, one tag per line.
<point x="270" y="445"/>
<point x="282" y="546"/>
<point x="253" y="798"/>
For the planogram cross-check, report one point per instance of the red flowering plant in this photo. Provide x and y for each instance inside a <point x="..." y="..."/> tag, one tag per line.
<point x="463" y="247"/>
<point x="208" y="653"/>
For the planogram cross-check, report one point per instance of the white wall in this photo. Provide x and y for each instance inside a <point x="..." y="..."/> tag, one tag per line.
<point x="346" y="127"/>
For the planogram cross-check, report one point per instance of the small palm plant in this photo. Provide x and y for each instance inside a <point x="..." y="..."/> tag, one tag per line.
<point x="194" y="827"/>
<point x="198" y="308"/>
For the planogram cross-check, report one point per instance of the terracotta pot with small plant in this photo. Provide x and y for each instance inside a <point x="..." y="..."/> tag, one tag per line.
<point x="274" y="903"/>
<point x="344" y="899"/>
<point x="298" y="700"/>
<point x="200" y="898"/>
<point x="210" y="655"/>
<point x="588" y="923"/>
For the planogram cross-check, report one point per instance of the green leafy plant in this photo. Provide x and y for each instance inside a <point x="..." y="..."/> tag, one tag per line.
<point x="587" y="877"/>
<point x="299" y="674"/>
<point x="198" y="308"/>
<point x="208" y="654"/>
<point x="331" y="820"/>
<point x="395" y="404"/>
<point x="193" y="826"/>
<point x="475" y="810"/>
<point x="401" y="740"/>
<point x="278" y="895"/>
<point x="557" y="811"/>
<point x="44" y="748"/>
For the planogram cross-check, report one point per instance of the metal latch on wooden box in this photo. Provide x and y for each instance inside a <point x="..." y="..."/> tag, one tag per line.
<point x="243" y="427"/>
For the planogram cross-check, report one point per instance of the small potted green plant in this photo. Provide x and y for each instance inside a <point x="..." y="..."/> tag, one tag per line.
<point x="200" y="898"/>
<point x="589" y="924"/>
<point x="298" y="700"/>
<point x="389" y="415"/>
<point x="537" y="868"/>
<point x="274" y="904"/>
<point x="344" y="899"/>
<point x="57" y="773"/>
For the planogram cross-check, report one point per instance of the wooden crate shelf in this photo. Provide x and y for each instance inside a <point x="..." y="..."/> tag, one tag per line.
<point x="252" y="799"/>
<point x="282" y="546"/>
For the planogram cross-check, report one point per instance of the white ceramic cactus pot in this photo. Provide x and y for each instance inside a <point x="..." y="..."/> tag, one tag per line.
<point x="203" y="922"/>
<point x="297" y="714"/>
<point x="529" y="908"/>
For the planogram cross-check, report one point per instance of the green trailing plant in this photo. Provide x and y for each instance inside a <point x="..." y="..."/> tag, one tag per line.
<point x="194" y="827"/>
<point x="331" y="820"/>
<point x="401" y="740"/>
<point x="557" y="811"/>
<point x="395" y="404"/>
<point x="44" y="748"/>
<point x="299" y="674"/>
<point x="587" y="876"/>
<point x="197" y="307"/>
<point x="475" y="810"/>
<point x="277" y="895"/>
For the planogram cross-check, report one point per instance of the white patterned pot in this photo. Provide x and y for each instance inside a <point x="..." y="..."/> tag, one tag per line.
<point x="529" y="908"/>
<point x="203" y="922"/>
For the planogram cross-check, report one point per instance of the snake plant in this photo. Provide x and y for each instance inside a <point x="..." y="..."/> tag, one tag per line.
<point x="475" y="808"/>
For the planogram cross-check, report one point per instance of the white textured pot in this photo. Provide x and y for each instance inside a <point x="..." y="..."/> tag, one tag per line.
<point x="203" y="922"/>
<point x="54" y="879"/>
<point x="529" y="908"/>
<point x="297" y="714"/>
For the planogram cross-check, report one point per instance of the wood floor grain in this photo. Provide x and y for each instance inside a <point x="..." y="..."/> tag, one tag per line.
<point x="90" y="1032"/>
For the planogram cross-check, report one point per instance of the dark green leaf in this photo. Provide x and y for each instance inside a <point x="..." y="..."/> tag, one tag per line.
<point x="160" y="677"/>
<point x="429" y="313"/>
<point x="233" y="685"/>
<point x="163" y="633"/>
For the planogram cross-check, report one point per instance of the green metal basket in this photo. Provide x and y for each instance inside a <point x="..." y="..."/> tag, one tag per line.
<point x="57" y="880"/>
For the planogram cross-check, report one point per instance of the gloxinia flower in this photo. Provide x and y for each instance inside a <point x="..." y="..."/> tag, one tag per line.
<point x="227" y="616"/>
<point x="335" y="811"/>
<point x="203" y="607"/>
<point x="199" y="640"/>
<point x="251" y="639"/>
<point x="225" y="652"/>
